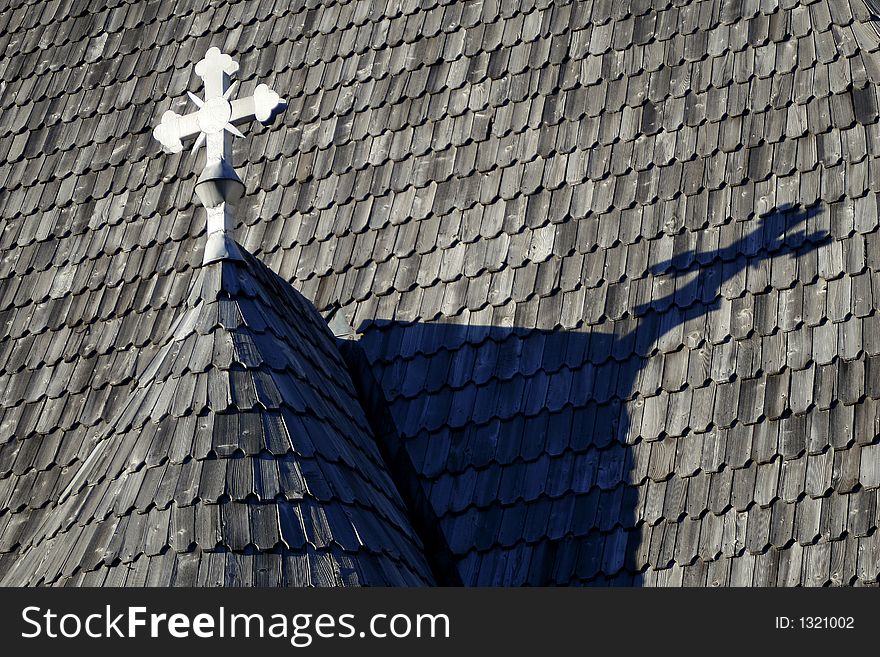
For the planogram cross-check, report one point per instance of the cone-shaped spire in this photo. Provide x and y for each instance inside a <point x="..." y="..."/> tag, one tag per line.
<point x="241" y="457"/>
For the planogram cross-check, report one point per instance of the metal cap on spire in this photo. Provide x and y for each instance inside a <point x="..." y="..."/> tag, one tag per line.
<point x="214" y="124"/>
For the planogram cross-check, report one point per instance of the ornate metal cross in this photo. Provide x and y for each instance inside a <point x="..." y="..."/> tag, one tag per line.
<point x="213" y="124"/>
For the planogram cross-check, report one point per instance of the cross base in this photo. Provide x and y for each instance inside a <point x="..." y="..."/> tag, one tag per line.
<point x="220" y="245"/>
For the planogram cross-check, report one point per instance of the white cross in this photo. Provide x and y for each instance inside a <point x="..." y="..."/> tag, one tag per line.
<point x="213" y="124"/>
<point x="216" y="117"/>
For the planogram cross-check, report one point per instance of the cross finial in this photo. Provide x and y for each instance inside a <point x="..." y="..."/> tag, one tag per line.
<point x="214" y="125"/>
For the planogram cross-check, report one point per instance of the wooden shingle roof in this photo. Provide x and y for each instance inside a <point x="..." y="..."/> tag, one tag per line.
<point x="612" y="265"/>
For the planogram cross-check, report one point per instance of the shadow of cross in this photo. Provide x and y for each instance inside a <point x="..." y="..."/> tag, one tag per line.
<point x="535" y="457"/>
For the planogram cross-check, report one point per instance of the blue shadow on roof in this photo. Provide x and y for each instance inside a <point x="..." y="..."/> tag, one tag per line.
<point x="521" y="451"/>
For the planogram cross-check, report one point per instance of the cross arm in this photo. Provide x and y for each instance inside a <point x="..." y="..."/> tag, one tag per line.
<point x="174" y="128"/>
<point x="262" y="106"/>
